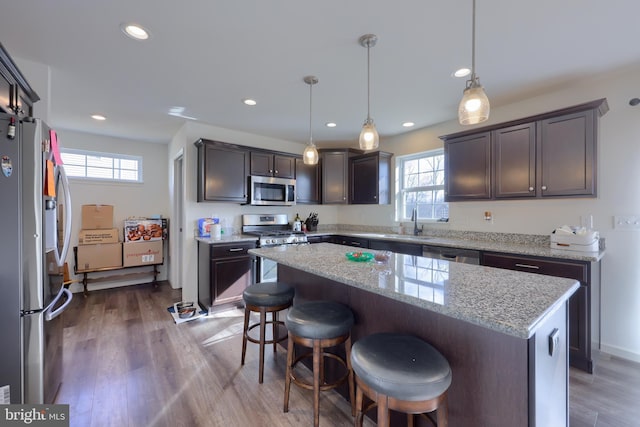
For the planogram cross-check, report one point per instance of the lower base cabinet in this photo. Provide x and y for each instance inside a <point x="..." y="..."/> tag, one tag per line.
<point x="224" y="272"/>
<point x="587" y="273"/>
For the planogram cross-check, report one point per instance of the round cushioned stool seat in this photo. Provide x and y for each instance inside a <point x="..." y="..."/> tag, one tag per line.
<point x="269" y="294"/>
<point x="319" y="320"/>
<point x="400" y="366"/>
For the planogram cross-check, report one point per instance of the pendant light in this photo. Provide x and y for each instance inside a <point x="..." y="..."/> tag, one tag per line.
<point x="474" y="106"/>
<point x="369" y="135"/>
<point x="310" y="154"/>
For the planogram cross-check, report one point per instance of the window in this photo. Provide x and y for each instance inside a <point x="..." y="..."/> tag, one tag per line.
<point x="101" y="166"/>
<point x="421" y="186"/>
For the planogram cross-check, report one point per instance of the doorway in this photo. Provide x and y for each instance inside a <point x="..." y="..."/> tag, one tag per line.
<point x="178" y="215"/>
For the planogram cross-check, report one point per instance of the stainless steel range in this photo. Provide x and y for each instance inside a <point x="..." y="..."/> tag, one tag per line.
<point x="272" y="230"/>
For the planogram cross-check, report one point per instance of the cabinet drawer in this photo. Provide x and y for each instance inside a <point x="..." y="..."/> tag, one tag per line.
<point x="231" y="249"/>
<point x="570" y="270"/>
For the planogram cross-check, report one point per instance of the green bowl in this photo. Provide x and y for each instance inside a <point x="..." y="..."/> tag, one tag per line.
<point x="359" y="256"/>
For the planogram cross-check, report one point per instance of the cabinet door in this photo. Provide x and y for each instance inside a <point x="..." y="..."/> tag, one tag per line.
<point x="284" y="166"/>
<point x="370" y="179"/>
<point x="334" y="177"/>
<point x="396" y="247"/>
<point x="307" y="183"/>
<point x="468" y="167"/>
<point x="222" y="173"/>
<point x="261" y="164"/>
<point x="351" y="241"/>
<point x="566" y="155"/>
<point x="229" y="278"/>
<point x="514" y="160"/>
<point x="5" y="95"/>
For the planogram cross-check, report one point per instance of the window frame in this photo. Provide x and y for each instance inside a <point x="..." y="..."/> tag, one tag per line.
<point x="113" y="156"/>
<point x="400" y="189"/>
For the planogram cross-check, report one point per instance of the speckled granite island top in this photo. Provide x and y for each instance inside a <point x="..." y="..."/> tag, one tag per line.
<point x="506" y="301"/>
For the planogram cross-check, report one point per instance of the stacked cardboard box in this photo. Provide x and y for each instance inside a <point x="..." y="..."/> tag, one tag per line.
<point x="98" y="242"/>
<point x="143" y="242"/>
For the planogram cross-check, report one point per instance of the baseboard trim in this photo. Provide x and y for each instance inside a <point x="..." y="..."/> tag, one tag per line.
<point x="620" y="352"/>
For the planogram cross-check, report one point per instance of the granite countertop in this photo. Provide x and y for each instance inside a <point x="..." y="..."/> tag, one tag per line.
<point x="507" y="301"/>
<point x="496" y="242"/>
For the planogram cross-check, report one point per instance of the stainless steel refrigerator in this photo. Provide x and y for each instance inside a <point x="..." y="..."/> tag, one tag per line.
<point x="34" y="227"/>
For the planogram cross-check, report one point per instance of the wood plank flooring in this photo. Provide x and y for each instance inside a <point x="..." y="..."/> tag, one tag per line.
<point x="127" y="364"/>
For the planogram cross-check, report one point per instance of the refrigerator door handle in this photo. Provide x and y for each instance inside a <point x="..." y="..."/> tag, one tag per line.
<point x="50" y="313"/>
<point x="62" y="256"/>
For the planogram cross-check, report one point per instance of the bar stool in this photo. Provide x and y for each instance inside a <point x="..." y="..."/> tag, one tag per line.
<point x="263" y="298"/>
<point x="319" y="325"/>
<point x="402" y="373"/>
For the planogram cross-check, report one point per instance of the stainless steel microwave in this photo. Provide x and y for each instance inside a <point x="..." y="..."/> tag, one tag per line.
<point x="271" y="191"/>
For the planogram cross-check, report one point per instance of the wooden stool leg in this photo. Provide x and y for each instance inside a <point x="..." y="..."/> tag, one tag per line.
<point x="317" y="356"/>
<point x="274" y="320"/>
<point x="263" y="326"/>
<point x="443" y="412"/>
<point x="410" y="420"/>
<point x="352" y="400"/>
<point x="383" y="411"/>
<point x="359" y="415"/>
<point x="287" y="378"/>
<point x="244" y="334"/>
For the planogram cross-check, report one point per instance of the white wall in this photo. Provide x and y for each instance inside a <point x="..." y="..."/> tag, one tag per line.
<point x="130" y="199"/>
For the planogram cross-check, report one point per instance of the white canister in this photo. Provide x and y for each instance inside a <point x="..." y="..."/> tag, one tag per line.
<point x="297" y="226"/>
<point x="216" y="231"/>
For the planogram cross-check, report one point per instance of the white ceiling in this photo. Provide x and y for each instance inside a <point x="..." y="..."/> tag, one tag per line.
<point x="207" y="55"/>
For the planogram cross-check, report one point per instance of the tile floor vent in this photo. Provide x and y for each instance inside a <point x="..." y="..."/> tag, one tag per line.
<point x="5" y="395"/>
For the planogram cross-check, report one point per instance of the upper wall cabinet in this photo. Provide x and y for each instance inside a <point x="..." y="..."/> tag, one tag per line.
<point x="335" y="174"/>
<point x="370" y="178"/>
<point x="548" y="155"/>
<point x="307" y="183"/>
<point x="270" y="164"/>
<point x="16" y="96"/>
<point x="222" y="172"/>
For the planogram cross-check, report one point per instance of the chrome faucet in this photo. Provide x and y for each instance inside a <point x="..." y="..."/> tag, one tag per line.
<point x="414" y="218"/>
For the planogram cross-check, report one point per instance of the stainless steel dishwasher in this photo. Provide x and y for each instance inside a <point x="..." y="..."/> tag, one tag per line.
<point x="467" y="256"/>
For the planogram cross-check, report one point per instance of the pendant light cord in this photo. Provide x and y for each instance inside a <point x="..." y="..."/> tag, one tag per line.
<point x="473" y="43"/>
<point x="310" y="115"/>
<point x="368" y="82"/>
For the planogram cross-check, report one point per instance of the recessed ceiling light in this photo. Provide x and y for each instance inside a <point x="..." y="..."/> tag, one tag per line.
<point x="249" y="101"/>
<point x="135" y="31"/>
<point x="331" y="124"/>
<point x="462" y="72"/>
<point x="408" y="124"/>
<point x="98" y="117"/>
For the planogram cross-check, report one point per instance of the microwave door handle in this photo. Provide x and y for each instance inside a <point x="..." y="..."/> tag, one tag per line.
<point x="62" y="255"/>
<point x="50" y="313"/>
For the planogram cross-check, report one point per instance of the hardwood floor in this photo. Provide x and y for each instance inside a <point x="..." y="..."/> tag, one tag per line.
<point x="127" y="364"/>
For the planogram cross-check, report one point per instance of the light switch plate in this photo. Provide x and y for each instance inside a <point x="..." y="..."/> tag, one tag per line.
<point x="626" y="222"/>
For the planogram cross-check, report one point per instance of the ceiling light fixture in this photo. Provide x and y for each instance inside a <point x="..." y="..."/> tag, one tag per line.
<point x="331" y="124"/>
<point x="310" y="154"/>
<point x="99" y="117"/>
<point x="408" y="124"/>
<point x="369" y="135"/>
<point x="249" y="101"/>
<point x="135" y="31"/>
<point x="474" y="107"/>
<point x="462" y="72"/>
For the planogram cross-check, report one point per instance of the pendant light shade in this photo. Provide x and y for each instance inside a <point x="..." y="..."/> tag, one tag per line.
<point x="474" y="107"/>
<point x="369" y="139"/>
<point x="310" y="154"/>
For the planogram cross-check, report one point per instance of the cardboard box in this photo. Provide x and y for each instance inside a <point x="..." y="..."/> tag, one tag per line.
<point x="142" y="230"/>
<point x="91" y="237"/>
<point x="101" y="255"/>
<point x="97" y="217"/>
<point x="142" y="253"/>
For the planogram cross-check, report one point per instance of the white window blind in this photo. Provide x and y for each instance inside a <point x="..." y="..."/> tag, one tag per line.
<point x="421" y="186"/>
<point x="101" y="166"/>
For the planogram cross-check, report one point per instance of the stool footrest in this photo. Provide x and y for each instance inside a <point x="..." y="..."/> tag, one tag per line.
<point x="274" y="340"/>
<point x="323" y="386"/>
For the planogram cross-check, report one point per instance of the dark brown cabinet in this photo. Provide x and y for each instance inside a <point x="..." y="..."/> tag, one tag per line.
<point x="468" y="167"/>
<point x="307" y="183"/>
<point x="370" y="178"/>
<point x="222" y="172"/>
<point x="269" y="164"/>
<point x="587" y="273"/>
<point x="224" y="272"/>
<point x="549" y="155"/>
<point x="396" y="247"/>
<point x="335" y="178"/>
<point x="358" y="242"/>
<point x="16" y="95"/>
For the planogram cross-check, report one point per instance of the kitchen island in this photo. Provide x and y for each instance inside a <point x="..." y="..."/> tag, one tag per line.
<point x="503" y="332"/>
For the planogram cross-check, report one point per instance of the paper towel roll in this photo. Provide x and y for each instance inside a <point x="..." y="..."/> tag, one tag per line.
<point x="216" y="231"/>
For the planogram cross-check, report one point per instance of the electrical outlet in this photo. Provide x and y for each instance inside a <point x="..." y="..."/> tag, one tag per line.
<point x="626" y="222"/>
